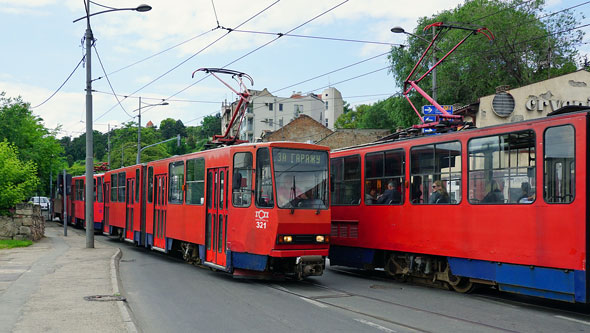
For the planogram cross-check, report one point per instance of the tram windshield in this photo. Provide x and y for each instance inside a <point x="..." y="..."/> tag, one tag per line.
<point x="301" y="178"/>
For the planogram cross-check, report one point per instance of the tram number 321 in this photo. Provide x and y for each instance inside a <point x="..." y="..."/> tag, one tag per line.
<point x="260" y="225"/>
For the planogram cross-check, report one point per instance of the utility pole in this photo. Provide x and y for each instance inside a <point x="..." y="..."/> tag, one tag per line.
<point x="89" y="216"/>
<point x="109" y="144"/>
<point x="139" y="133"/>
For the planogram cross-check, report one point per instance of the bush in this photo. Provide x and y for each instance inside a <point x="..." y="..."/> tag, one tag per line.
<point x="18" y="179"/>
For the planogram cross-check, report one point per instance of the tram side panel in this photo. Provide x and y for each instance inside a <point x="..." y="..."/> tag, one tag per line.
<point x="533" y="243"/>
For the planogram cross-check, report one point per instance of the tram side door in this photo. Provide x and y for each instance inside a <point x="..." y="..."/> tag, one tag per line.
<point x="160" y="202"/>
<point x="216" y="220"/>
<point x="107" y="205"/>
<point x="129" y="205"/>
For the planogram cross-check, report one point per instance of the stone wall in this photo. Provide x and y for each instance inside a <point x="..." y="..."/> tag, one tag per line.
<point x="27" y="223"/>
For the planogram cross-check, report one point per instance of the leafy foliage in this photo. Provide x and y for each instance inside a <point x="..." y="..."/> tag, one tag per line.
<point x="524" y="43"/>
<point x="530" y="46"/>
<point x="18" y="179"/>
<point x="34" y="142"/>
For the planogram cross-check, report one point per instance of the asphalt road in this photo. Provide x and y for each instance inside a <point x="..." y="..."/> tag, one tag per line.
<point x="166" y="294"/>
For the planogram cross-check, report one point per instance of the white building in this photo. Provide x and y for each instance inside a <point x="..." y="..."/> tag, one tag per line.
<point x="267" y="112"/>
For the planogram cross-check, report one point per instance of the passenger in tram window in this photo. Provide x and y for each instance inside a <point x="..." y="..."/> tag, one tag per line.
<point x="439" y="193"/>
<point x="390" y="196"/>
<point x="416" y="193"/>
<point x="495" y="195"/>
<point x="526" y="196"/>
<point x="371" y="197"/>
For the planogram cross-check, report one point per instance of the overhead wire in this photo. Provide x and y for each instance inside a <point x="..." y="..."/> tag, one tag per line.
<point x="61" y="86"/>
<point x="192" y="56"/>
<point x="109" y="82"/>
<point x="265" y="44"/>
<point x="279" y="34"/>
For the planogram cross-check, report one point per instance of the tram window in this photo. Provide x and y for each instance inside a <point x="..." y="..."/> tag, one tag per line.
<point x="195" y="181"/>
<point x="559" y="160"/>
<point x="114" y="187"/>
<point x="435" y="172"/>
<point x="176" y="173"/>
<point x="136" y="185"/>
<point x="94" y="189"/>
<point x="381" y="170"/>
<point x="502" y="168"/>
<point x="242" y="180"/>
<point x="121" y="187"/>
<point x="346" y="180"/>
<point x="150" y="182"/>
<point x="264" y="194"/>
<point x="99" y="190"/>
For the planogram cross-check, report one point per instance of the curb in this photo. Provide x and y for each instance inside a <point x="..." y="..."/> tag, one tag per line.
<point x="129" y="324"/>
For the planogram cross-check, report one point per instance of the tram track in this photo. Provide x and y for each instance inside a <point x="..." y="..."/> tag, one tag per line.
<point x="339" y="293"/>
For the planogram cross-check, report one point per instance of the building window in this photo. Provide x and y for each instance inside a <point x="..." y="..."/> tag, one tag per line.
<point x="560" y="164"/>
<point x="499" y="166"/>
<point x="242" y="180"/>
<point x="176" y="182"/>
<point x="326" y="105"/>
<point x="195" y="181"/>
<point x="280" y="107"/>
<point x="436" y="173"/>
<point x="281" y="122"/>
<point x="270" y="122"/>
<point x="346" y="179"/>
<point x="326" y="122"/>
<point x="270" y="106"/>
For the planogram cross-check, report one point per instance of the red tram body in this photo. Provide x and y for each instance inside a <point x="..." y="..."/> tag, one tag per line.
<point x="530" y="237"/>
<point x="246" y="209"/>
<point x="76" y="207"/>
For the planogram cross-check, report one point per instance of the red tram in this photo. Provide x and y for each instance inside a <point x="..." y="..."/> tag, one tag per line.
<point x="505" y="206"/>
<point x="273" y="219"/>
<point x="76" y="205"/>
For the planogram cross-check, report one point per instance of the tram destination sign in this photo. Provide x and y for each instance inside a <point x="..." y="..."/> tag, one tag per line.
<point x="431" y="109"/>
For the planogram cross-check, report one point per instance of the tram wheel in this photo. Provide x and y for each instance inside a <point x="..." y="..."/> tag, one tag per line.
<point x="461" y="284"/>
<point x="390" y="266"/>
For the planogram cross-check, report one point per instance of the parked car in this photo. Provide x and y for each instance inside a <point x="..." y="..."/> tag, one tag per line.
<point x="41" y="201"/>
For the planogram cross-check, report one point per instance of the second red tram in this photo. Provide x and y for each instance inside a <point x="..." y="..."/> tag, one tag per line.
<point x="259" y="209"/>
<point x="505" y="206"/>
<point x="76" y="207"/>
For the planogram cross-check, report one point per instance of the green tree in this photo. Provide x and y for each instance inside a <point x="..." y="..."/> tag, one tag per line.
<point x="34" y="142"/>
<point x="211" y="125"/>
<point x="525" y="40"/>
<point x="18" y="179"/>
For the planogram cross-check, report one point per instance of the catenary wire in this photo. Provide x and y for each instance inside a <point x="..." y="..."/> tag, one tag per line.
<point x="109" y="82"/>
<point x="61" y="86"/>
<point x="192" y="56"/>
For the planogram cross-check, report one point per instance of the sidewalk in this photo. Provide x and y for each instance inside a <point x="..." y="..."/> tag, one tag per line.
<point x="42" y="287"/>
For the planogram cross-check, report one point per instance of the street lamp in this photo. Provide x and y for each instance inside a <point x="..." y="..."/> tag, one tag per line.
<point x="89" y="196"/>
<point x="139" y="128"/>
<point x="400" y="30"/>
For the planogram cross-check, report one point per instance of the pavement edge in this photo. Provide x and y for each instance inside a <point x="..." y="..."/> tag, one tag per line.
<point x="123" y="308"/>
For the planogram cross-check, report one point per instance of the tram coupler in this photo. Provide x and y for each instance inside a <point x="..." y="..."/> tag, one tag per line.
<point x="310" y="266"/>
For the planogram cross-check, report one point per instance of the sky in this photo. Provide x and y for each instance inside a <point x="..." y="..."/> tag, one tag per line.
<point x="153" y="54"/>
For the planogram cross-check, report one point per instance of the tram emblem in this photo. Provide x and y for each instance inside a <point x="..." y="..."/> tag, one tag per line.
<point x="261" y="215"/>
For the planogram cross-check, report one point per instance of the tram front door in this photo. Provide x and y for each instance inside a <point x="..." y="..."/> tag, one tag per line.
<point x="129" y="208"/>
<point x="216" y="220"/>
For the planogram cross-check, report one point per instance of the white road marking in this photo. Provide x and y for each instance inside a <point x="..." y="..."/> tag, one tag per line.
<point x="280" y="287"/>
<point x="379" y="327"/>
<point x="574" y="319"/>
<point x="311" y="301"/>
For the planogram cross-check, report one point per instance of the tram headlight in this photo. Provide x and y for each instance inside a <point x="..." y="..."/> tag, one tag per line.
<point x="322" y="239"/>
<point x="285" y="239"/>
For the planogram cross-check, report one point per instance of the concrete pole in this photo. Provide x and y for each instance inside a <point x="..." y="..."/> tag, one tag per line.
<point x="109" y="144"/>
<point x="139" y="134"/>
<point x="64" y="214"/>
<point x="89" y="195"/>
